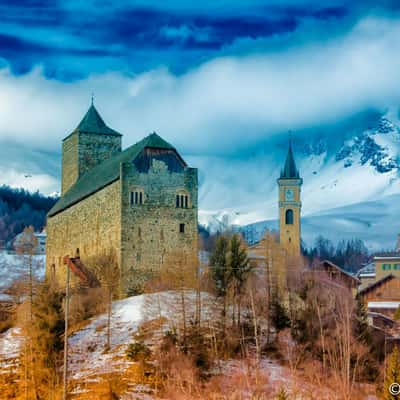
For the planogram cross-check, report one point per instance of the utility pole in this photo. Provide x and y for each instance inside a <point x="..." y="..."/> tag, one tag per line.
<point x="65" y="393"/>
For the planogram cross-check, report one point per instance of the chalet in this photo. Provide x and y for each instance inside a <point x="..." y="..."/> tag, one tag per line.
<point x="383" y="296"/>
<point x="337" y="275"/>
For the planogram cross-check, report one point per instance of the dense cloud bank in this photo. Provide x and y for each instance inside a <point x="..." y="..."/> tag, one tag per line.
<point x="221" y="106"/>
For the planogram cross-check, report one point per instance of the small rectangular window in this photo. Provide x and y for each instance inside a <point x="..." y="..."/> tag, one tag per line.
<point x="181" y="228"/>
<point x="177" y="201"/>
<point x="131" y="198"/>
<point x="140" y="198"/>
<point x="186" y="202"/>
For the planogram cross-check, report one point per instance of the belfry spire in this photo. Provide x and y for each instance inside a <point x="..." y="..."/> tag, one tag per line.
<point x="290" y="170"/>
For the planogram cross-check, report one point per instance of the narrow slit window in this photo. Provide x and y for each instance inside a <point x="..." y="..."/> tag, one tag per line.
<point x="181" y="228"/>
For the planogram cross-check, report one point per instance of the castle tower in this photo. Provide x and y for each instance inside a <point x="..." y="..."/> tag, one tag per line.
<point x="290" y="206"/>
<point x="89" y="144"/>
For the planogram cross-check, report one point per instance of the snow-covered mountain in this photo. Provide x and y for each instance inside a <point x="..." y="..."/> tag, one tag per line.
<point x="351" y="181"/>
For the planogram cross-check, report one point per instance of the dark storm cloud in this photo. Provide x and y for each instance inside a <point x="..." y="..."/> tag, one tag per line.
<point x="142" y="36"/>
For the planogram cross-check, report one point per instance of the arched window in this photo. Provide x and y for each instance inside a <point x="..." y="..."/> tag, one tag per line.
<point x="289" y="217"/>
<point x="136" y="197"/>
<point x="182" y="200"/>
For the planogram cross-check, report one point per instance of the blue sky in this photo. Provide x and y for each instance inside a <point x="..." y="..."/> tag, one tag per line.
<point x="221" y="80"/>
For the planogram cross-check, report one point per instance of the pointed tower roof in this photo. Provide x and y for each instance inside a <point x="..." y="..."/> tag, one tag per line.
<point x="290" y="171"/>
<point x="93" y="123"/>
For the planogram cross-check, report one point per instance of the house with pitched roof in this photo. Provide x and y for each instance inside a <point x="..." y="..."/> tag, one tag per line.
<point x="139" y="203"/>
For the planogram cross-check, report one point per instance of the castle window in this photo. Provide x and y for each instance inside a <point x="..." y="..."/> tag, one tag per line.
<point x="136" y="197"/>
<point x="181" y="228"/>
<point x="182" y="200"/>
<point x="289" y="217"/>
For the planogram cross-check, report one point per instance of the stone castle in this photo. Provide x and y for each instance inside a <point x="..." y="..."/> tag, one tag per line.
<point x="140" y="203"/>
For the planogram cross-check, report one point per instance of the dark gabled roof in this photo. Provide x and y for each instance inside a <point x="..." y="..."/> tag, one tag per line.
<point x="93" y="123"/>
<point x="343" y="271"/>
<point x="290" y="171"/>
<point x="106" y="172"/>
<point x="376" y="284"/>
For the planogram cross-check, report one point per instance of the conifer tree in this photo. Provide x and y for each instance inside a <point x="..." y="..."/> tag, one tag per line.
<point x="47" y="332"/>
<point x="220" y="271"/>
<point x="361" y="329"/>
<point x="282" y="395"/>
<point x="239" y="267"/>
<point x="392" y="375"/>
<point x="396" y="316"/>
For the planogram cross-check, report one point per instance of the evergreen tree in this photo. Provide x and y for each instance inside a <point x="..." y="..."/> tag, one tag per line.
<point x="282" y="395"/>
<point x="392" y="375"/>
<point x="279" y="314"/>
<point x="361" y="328"/>
<point x="239" y="267"/>
<point x="220" y="272"/>
<point x="397" y="314"/>
<point x="42" y="354"/>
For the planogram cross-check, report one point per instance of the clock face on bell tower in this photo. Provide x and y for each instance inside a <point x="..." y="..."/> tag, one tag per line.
<point x="289" y="184"/>
<point x="289" y="194"/>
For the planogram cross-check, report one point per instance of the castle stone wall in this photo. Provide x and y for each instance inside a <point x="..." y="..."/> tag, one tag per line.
<point x="70" y="164"/>
<point x="93" y="225"/>
<point x="96" y="148"/>
<point x="83" y="151"/>
<point x="150" y="232"/>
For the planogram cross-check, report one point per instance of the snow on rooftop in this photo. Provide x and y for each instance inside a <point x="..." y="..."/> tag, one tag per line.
<point x="383" y="304"/>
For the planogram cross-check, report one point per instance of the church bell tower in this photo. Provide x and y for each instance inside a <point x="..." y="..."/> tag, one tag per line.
<point x="289" y="184"/>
